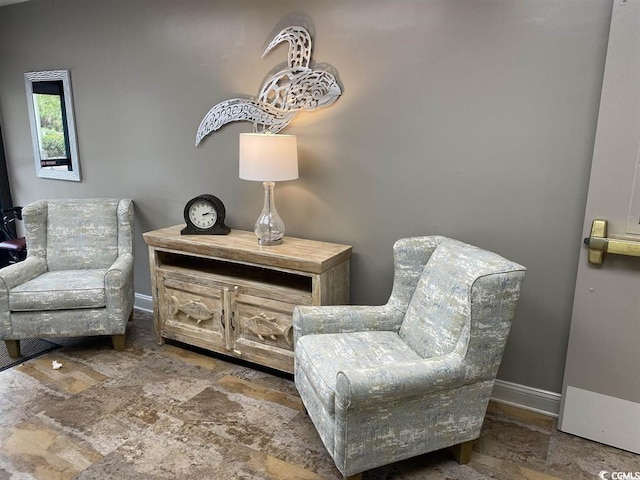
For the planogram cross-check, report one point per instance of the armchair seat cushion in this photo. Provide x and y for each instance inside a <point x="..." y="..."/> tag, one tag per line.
<point x="323" y="356"/>
<point x="60" y="290"/>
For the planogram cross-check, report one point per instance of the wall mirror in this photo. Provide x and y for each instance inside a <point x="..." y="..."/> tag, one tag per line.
<point x="53" y="132"/>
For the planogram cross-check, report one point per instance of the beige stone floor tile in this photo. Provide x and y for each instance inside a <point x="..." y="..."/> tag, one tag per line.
<point x="513" y="444"/>
<point x="166" y="378"/>
<point x="280" y="381"/>
<point x="178" y="389"/>
<point x="192" y="452"/>
<point x="44" y="453"/>
<point x="72" y="378"/>
<point x="519" y="416"/>
<point x="197" y="359"/>
<point x="574" y="458"/>
<point x="254" y="390"/>
<point x="22" y="396"/>
<point x="102" y="417"/>
<point x="102" y="358"/>
<point x="298" y="442"/>
<point x="243" y="420"/>
<point x="275" y="469"/>
<point x="504" y="470"/>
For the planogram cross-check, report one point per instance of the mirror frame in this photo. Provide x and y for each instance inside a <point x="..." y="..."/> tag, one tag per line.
<point x="44" y="76"/>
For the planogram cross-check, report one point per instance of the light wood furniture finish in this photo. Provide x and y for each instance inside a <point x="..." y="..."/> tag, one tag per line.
<point x="227" y="294"/>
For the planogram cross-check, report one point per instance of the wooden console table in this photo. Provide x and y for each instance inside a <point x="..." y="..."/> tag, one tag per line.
<point x="227" y="294"/>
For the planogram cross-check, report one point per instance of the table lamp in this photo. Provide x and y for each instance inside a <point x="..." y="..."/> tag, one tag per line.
<point x="268" y="158"/>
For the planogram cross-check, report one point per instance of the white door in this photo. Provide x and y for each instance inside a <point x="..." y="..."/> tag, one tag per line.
<point x="601" y="391"/>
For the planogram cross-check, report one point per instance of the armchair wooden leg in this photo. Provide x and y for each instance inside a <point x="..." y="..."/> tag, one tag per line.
<point x="14" y="348"/>
<point x="118" y="342"/>
<point x="356" y="476"/>
<point x="462" y="452"/>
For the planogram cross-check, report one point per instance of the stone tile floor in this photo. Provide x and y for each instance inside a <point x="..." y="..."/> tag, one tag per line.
<point x="165" y="412"/>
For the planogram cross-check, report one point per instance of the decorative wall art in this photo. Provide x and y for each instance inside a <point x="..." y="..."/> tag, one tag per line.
<point x="283" y="95"/>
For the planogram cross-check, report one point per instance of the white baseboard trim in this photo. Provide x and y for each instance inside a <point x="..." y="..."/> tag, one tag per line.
<point x="143" y="302"/>
<point x="527" y="398"/>
<point x="516" y="395"/>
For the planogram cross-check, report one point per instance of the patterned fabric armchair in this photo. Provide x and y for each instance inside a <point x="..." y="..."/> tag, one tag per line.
<point x="385" y="383"/>
<point x="77" y="279"/>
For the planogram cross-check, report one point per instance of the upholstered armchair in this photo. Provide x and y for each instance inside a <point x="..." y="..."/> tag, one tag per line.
<point x="385" y="383"/>
<point x="77" y="279"/>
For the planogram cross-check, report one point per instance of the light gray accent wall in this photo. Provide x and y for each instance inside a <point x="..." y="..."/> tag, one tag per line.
<point x="465" y="118"/>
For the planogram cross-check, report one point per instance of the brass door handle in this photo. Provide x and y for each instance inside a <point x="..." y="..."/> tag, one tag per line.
<point x="599" y="244"/>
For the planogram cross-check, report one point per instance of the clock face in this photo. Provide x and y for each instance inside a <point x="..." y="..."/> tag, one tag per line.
<point x="203" y="214"/>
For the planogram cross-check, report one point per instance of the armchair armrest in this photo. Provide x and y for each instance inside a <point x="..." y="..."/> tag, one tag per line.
<point x="17" y="274"/>
<point x="118" y="273"/>
<point x="344" y="319"/>
<point x="118" y="283"/>
<point x="21" y="272"/>
<point x="395" y="381"/>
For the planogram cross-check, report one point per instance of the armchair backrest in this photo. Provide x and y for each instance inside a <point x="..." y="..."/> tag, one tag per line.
<point x="75" y="234"/>
<point x="459" y="283"/>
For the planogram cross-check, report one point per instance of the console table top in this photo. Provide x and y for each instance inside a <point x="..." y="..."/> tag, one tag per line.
<point x="294" y="253"/>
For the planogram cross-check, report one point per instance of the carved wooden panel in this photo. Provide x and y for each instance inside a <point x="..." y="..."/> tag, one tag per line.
<point x="264" y="320"/>
<point x="191" y="312"/>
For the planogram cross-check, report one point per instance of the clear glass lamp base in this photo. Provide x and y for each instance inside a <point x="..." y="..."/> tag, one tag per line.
<point x="269" y="227"/>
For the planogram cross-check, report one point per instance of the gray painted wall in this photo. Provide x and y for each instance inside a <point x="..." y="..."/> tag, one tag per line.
<point x="466" y="118"/>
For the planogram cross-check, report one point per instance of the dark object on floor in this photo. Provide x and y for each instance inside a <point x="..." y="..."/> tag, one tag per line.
<point x="30" y="348"/>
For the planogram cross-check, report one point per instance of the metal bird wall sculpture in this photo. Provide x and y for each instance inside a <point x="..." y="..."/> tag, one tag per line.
<point x="284" y="94"/>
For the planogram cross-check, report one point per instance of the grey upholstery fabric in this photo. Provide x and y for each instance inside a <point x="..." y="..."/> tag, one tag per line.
<point x="360" y="350"/>
<point x="82" y="289"/>
<point x="389" y="382"/>
<point x="78" y="276"/>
